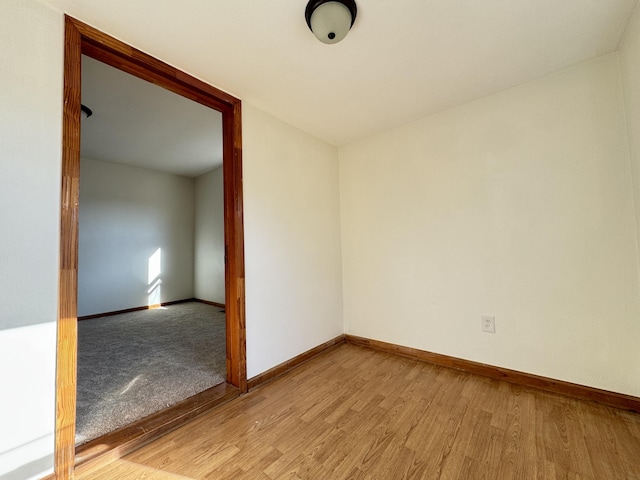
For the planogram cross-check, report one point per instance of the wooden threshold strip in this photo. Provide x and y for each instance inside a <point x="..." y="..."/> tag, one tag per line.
<point x="284" y="367"/>
<point x="605" y="397"/>
<point x="119" y="443"/>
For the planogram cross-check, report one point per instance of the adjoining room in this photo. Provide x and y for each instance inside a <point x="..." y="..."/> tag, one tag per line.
<point x="151" y="294"/>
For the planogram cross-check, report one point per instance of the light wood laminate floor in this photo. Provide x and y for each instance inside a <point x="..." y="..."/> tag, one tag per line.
<point x="359" y="414"/>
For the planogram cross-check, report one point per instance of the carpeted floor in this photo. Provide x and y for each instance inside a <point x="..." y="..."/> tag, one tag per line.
<point x="135" y="364"/>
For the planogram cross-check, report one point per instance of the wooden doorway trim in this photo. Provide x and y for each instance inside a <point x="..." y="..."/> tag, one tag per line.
<point x="83" y="39"/>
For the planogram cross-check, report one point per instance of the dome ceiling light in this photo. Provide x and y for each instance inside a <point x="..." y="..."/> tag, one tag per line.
<point x="330" y="20"/>
<point x="85" y="111"/>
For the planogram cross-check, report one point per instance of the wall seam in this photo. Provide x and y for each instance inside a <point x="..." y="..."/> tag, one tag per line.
<point x="623" y="99"/>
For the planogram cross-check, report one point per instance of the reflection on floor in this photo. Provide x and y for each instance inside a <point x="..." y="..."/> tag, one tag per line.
<point x="134" y="364"/>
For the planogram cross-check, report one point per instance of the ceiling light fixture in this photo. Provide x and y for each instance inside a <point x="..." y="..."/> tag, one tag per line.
<point x="85" y="112"/>
<point x="330" y="20"/>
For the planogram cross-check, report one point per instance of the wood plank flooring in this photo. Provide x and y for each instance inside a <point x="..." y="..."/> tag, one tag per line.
<point x="354" y="413"/>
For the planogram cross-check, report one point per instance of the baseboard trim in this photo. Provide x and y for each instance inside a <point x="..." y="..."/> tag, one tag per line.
<point x="135" y="309"/>
<point x="605" y="397"/>
<point x="103" y="450"/>
<point x="208" y="302"/>
<point x="292" y="363"/>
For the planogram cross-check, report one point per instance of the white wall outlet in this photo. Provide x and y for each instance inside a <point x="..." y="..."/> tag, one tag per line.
<point x="488" y="323"/>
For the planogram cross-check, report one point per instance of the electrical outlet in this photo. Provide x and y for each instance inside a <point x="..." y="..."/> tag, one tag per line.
<point x="488" y="323"/>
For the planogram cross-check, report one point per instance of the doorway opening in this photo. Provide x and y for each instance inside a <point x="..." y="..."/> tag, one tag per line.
<point x="151" y="271"/>
<point x="81" y="39"/>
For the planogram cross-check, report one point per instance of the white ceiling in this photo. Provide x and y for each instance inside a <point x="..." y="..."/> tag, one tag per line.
<point x="402" y="60"/>
<point x="138" y="123"/>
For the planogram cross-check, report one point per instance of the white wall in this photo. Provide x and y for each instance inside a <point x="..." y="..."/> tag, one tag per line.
<point x="209" y="237"/>
<point x="126" y="215"/>
<point x="630" y="68"/>
<point x="31" y="49"/>
<point x="292" y="241"/>
<point x="517" y="205"/>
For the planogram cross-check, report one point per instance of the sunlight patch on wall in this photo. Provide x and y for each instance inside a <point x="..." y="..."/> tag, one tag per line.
<point x="154" y="278"/>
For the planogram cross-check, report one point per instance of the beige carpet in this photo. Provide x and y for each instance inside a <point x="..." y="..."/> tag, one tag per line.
<point x="134" y="364"/>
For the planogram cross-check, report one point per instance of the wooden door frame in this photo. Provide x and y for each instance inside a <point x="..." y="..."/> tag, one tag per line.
<point x="83" y="39"/>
